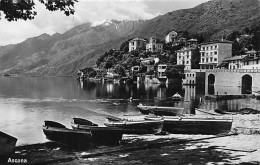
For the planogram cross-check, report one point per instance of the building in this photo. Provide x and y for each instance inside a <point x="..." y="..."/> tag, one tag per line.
<point x="184" y="57"/>
<point x="137" y="43"/>
<point x="191" y="43"/>
<point x="161" y="70"/>
<point x="235" y="62"/>
<point x="154" y="45"/>
<point x="171" y="37"/>
<point x="251" y="62"/>
<point x="194" y="77"/>
<point x="213" y="54"/>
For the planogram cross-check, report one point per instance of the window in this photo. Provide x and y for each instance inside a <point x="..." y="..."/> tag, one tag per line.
<point x="215" y="53"/>
<point x="216" y="46"/>
<point x="257" y="62"/>
<point x="202" y="54"/>
<point x="211" y="48"/>
<point x="207" y="54"/>
<point x="211" y="53"/>
<point x="207" y="48"/>
<point x="207" y="60"/>
<point x="211" y="59"/>
<point x="187" y="62"/>
<point x="215" y="59"/>
<point x="203" y="60"/>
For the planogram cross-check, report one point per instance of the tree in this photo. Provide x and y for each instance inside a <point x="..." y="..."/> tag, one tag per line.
<point x="25" y="9"/>
<point x="120" y="70"/>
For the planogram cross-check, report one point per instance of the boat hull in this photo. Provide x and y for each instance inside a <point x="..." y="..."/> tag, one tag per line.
<point x="101" y="135"/>
<point x="7" y="144"/>
<point x="188" y="125"/>
<point x="138" y="127"/>
<point x="206" y="112"/>
<point x="68" y="137"/>
<point x="160" y="111"/>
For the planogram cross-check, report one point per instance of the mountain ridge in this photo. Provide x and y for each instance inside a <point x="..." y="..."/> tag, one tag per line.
<point x="79" y="47"/>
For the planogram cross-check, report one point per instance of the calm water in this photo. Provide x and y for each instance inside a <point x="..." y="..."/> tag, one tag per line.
<point x="26" y="102"/>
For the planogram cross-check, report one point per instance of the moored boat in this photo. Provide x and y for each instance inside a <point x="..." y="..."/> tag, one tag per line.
<point x="206" y="112"/>
<point x="138" y="126"/>
<point x="194" y="125"/>
<point x="60" y="134"/>
<point x="7" y="144"/>
<point x="100" y="135"/>
<point x="160" y="110"/>
<point x="219" y="112"/>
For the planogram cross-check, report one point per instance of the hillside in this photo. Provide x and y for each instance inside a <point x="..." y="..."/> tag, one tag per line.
<point x="64" y="54"/>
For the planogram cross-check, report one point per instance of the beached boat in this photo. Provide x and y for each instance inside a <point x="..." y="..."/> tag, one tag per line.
<point x="194" y="125"/>
<point x="100" y="135"/>
<point x="137" y="126"/>
<point x="160" y="110"/>
<point x="7" y="144"/>
<point x="60" y="134"/>
<point x="219" y="112"/>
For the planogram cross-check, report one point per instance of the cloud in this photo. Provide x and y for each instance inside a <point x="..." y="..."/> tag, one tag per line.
<point x="85" y="11"/>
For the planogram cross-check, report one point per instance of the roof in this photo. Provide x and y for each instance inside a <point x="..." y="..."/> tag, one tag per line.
<point x="241" y="57"/>
<point x="223" y="64"/>
<point x="186" y="49"/>
<point x="192" y="40"/>
<point x="138" y="39"/>
<point x="214" y="42"/>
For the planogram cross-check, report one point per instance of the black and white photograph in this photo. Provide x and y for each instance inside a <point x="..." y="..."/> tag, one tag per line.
<point x="130" y="82"/>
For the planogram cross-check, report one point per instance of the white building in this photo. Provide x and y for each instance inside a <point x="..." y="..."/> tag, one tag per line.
<point x="213" y="53"/>
<point x="153" y="46"/>
<point x="184" y="57"/>
<point x="252" y="62"/>
<point x="235" y="62"/>
<point x="171" y="37"/>
<point x="161" y="70"/>
<point x="137" y="43"/>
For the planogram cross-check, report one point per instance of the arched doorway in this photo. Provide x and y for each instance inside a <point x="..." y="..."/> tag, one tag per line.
<point x="246" y="84"/>
<point x="211" y="79"/>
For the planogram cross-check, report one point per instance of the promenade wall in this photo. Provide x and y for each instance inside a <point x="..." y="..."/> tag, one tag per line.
<point x="233" y="77"/>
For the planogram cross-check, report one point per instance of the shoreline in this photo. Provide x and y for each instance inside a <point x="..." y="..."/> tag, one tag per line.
<point x="138" y="148"/>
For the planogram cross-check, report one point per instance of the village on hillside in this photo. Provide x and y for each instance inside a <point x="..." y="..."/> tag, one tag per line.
<point x="190" y="59"/>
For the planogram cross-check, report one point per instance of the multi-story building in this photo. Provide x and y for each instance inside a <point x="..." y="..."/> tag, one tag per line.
<point x="154" y="46"/>
<point x="213" y="53"/>
<point x="184" y="57"/>
<point x="171" y="37"/>
<point x="137" y="43"/>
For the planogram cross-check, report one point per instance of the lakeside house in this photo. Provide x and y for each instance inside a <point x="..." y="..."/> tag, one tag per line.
<point x="137" y="43"/>
<point x="154" y="45"/>
<point x="213" y="53"/>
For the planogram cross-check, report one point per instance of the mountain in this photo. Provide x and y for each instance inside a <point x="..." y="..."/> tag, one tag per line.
<point x="79" y="47"/>
<point x="213" y="19"/>
<point x="64" y="54"/>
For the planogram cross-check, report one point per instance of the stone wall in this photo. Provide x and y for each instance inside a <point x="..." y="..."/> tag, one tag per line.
<point x="226" y="77"/>
<point x="246" y="124"/>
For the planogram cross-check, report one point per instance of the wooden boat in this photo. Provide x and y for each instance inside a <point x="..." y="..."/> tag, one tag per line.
<point x="194" y="125"/>
<point x="60" y="134"/>
<point x="159" y="110"/>
<point x="138" y="126"/>
<point x="100" y="135"/>
<point x="206" y="112"/>
<point x="7" y="144"/>
<point x="218" y="112"/>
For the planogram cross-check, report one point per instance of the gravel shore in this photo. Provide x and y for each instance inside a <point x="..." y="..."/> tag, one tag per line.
<point x="151" y="149"/>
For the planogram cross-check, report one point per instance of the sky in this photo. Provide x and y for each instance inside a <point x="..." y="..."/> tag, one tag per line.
<point x="93" y="11"/>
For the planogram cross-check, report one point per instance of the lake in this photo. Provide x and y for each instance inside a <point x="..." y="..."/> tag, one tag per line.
<point x="26" y="102"/>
